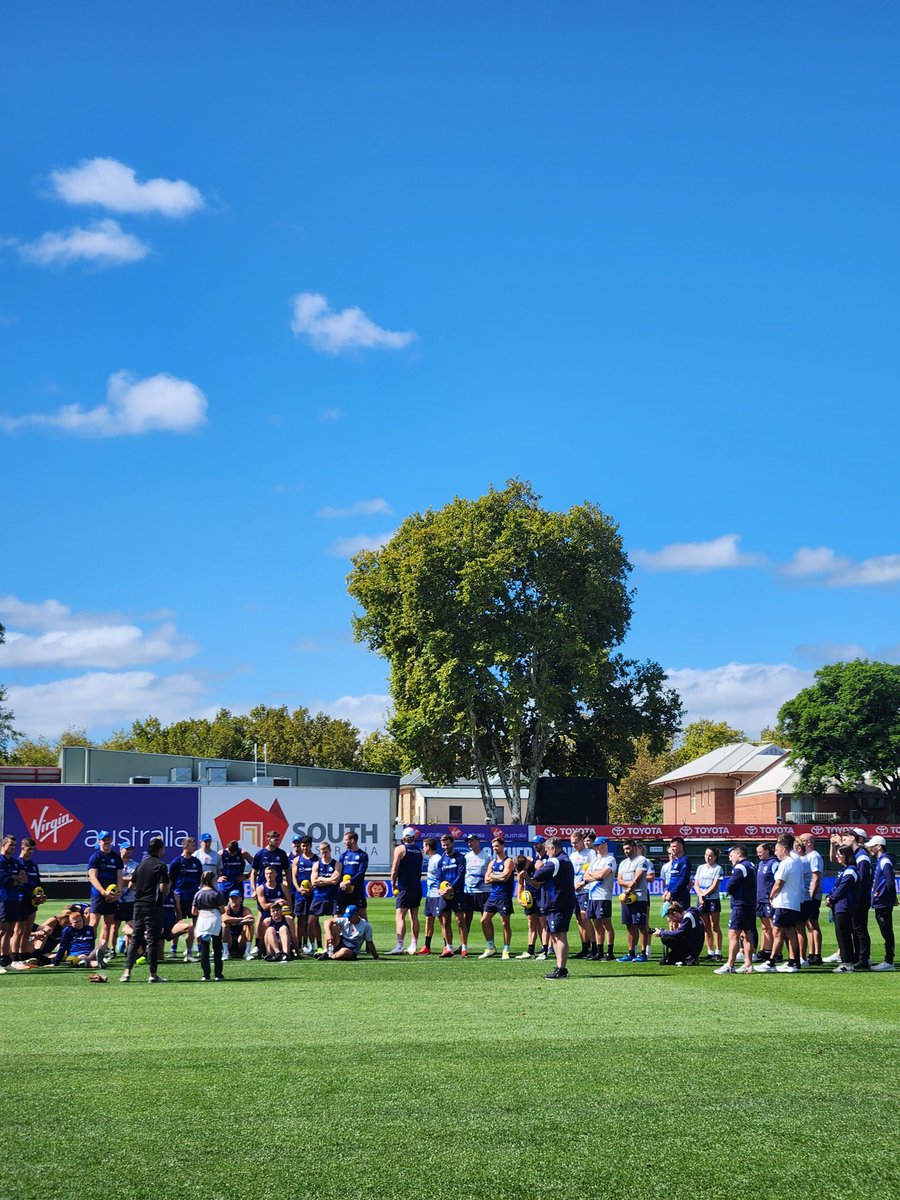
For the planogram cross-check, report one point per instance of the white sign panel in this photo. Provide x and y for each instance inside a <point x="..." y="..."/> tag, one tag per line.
<point x="246" y="814"/>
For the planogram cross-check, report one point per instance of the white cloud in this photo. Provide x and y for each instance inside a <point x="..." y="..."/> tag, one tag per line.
<point x="365" y="712"/>
<point x="111" y="184"/>
<point x="160" y="403"/>
<point x="835" y="570"/>
<point x="348" y="546"/>
<point x="48" y="614"/>
<point x="719" y="553"/>
<point x="102" y="243"/>
<point x="334" y="332"/>
<point x="111" y="646"/>
<point x="829" y="652"/>
<point x="746" y="695"/>
<point x="362" y="508"/>
<point x="100" y="700"/>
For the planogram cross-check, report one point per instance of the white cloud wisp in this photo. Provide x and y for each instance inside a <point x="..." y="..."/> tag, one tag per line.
<point x="362" y="508"/>
<point x="101" y="244"/>
<point x="348" y="546"/>
<point x="717" y="554"/>
<point x="113" y="185"/>
<point x="746" y="695"/>
<point x="333" y="332"/>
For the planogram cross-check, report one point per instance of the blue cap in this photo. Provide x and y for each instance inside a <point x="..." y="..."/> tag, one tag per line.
<point x="103" y="833"/>
<point x="600" y="838"/>
<point x="125" y="844"/>
<point x="538" y="841"/>
<point x="297" y="838"/>
<point x="351" y="911"/>
<point x="235" y="892"/>
<point x="205" y="837"/>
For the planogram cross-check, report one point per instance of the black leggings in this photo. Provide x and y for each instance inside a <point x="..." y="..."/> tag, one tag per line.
<point x="204" y="942"/>
<point x="843" y="927"/>
<point x="884" y="918"/>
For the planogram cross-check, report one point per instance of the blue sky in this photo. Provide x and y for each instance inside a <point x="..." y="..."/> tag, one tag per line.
<point x="274" y="278"/>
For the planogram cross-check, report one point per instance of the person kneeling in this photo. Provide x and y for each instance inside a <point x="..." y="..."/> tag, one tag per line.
<point x="348" y="933"/>
<point x="683" y="940"/>
<point x="278" y="936"/>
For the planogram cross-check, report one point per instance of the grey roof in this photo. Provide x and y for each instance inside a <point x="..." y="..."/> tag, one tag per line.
<point x="737" y="758"/>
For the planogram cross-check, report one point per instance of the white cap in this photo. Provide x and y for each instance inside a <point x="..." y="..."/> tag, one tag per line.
<point x="409" y="831"/>
<point x="877" y="840"/>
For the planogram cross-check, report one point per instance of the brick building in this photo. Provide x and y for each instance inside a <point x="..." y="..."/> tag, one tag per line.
<point x="702" y="792"/>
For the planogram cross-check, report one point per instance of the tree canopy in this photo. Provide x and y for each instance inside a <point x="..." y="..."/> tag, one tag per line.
<point x="500" y="621"/>
<point x="847" y="726"/>
<point x="701" y="736"/>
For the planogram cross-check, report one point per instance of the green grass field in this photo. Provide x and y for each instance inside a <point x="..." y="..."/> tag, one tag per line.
<point x="449" y="1080"/>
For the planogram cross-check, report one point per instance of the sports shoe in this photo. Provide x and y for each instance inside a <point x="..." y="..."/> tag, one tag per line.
<point x="541" y="956"/>
<point x="739" y="957"/>
<point x="218" y="979"/>
<point x="582" y="953"/>
<point x="557" y="973"/>
<point x="205" y="979"/>
<point x="725" y="970"/>
<point x="833" y="958"/>
<point x="787" y="968"/>
<point x="102" y="957"/>
<point x="157" y="979"/>
<point x="747" y="970"/>
<point x="320" y="955"/>
<point x="505" y="957"/>
<point x="640" y="958"/>
<point x="464" y="953"/>
<point x="225" y="955"/>
<point x="492" y="953"/>
<point x="764" y="967"/>
<point x="414" y="949"/>
<point x="804" y="962"/>
<point x="247" y="954"/>
<point x="254" y="951"/>
<point x="843" y="969"/>
<point x="125" y="977"/>
<point x="626" y="958"/>
<point x="396" y="950"/>
<point x="447" y="952"/>
<point x="883" y="966"/>
<point x="424" y="950"/>
<point x="188" y="958"/>
<point x="173" y="953"/>
<point x="524" y="954"/>
<point x="2" y="970"/>
<point x="862" y="966"/>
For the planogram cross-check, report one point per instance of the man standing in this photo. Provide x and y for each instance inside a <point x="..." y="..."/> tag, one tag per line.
<point x="812" y="902"/>
<point x="302" y="861"/>
<point x="884" y="898"/>
<point x="451" y="876"/>
<point x="432" y="860"/>
<point x="579" y="857"/>
<point x="861" y="939"/>
<point x="151" y="885"/>
<point x="475" y="889"/>
<point x="406" y="884"/>
<point x="741" y="887"/>
<point x="500" y="880"/>
<point x="234" y="868"/>
<point x="104" y="872"/>
<point x="557" y="877"/>
<point x="679" y="875"/>
<point x="632" y="880"/>
<point x="186" y="873"/>
<point x="600" y="877"/>
<point x="786" y="898"/>
<point x="271" y="855"/>
<point x="765" y="881"/>
<point x="12" y="877"/>
<point x="210" y="859"/>
<point x="354" y="865"/>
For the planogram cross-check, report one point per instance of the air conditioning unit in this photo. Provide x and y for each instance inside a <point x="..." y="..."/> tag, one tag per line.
<point x="180" y="775"/>
<point x="139" y="779"/>
<point x="215" y="775"/>
<point x="280" y="781"/>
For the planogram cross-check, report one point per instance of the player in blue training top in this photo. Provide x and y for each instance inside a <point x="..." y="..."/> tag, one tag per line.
<point x="270" y="856"/>
<point x="185" y="875"/>
<point x="77" y="944"/>
<point x="31" y="896"/>
<point x="500" y="878"/>
<point x="355" y="864"/>
<point x="884" y="898"/>
<point x="842" y="902"/>
<point x="679" y="875"/>
<point x="105" y="872"/>
<point x="432" y="860"/>
<point x="233" y="868"/>
<point x="406" y="884"/>
<point x="326" y="876"/>
<point x="683" y="939"/>
<point x="558" y="901"/>
<point x="12" y="878"/>
<point x="861" y="938"/>
<point x="451" y="874"/>
<point x="741" y="887"/>
<point x="767" y="864"/>
<point x="302" y="862"/>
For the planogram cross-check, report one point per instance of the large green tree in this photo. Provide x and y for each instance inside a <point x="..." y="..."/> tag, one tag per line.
<point x="633" y="801"/>
<point x="846" y="726"/>
<point x="701" y="736"/>
<point x="501" y="622"/>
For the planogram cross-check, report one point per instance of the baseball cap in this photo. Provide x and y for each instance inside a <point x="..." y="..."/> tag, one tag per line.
<point x="235" y="892"/>
<point x="205" y="837"/>
<point x="860" y="833"/>
<point x="538" y="841"/>
<point x="103" y="834"/>
<point x="351" y="910"/>
<point x="469" y="837"/>
<point x="601" y="839"/>
<point x="125" y="844"/>
<point x="298" y="838"/>
<point x="878" y="840"/>
<point x="408" y="831"/>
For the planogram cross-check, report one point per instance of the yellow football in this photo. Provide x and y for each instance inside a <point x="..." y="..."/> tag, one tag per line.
<point x="526" y="899"/>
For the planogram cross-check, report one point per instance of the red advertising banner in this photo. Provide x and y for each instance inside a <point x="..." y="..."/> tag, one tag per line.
<point x="738" y="832"/>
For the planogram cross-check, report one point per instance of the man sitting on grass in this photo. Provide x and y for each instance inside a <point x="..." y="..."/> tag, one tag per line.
<point x="347" y="935"/>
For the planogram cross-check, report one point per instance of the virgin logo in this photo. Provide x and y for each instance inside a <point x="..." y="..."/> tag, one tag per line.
<point x="52" y="826"/>
<point x="456" y="831"/>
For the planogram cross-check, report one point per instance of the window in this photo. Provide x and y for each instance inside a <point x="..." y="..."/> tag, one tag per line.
<point x="693" y="801"/>
<point x="501" y="814"/>
<point x="455" y="817"/>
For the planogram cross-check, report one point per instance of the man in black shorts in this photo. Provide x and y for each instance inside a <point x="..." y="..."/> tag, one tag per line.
<point x="150" y="883"/>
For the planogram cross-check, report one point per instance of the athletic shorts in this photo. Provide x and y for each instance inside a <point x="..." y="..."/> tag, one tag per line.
<point x="9" y="911"/>
<point x="433" y="906"/>
<point x="322" y="908"/>
<point x="558" y="922"/>
<point x="353" y="954"/>
<point x="742" y="918"/>
<point x="711" y="904"/>
<point x="785" y="918"/>
<point x="104" y="908"/>
<point x="125" y="910"/>
<point x="764" y="910"/>
<point x="581" y="898"/>
<point x="809" y="909"/>
<point x="238" y="932"/>
<point x="168" y="925"/>
<point x="635" y="914"/>
<point x="599" y="910"/>
<point x="450" y="906"/>
<point x="502" y="907"/>
<point x="476" y="901"/>
<point x="409" y="897"/>
<point x="302" y="903"/>
<point x="344" y="901"/>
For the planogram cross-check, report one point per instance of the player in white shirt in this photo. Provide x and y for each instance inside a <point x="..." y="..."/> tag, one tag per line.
<point x="475" y="890"/>
<point x="812" y="903"/>
<point x="786" y="898"/>
<point x="348" y="934"/>
<point x="600" y="877"/>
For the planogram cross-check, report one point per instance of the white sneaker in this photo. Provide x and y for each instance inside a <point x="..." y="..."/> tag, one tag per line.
<point x="765" y="967"/>
<point x="254" y="951"/>
<point x="524" y="954"/>
<point x="413" y="948"/>
<point x="804" y="962"/>
<point x="724" y="970"/>
<point x="786" y="968"/>
<point x="843" y="969"/>
<point x="396" y="950"/>
<point x="542" y="957"/>
<point x="505" y="956"/>
<point x="836" y="957"/>
<point x="739" y="957"/>
<point x="884" y="966"/>
<point x="248" y="954"/>
<point x="489" y="953"/>
<point x="189" y="958"/>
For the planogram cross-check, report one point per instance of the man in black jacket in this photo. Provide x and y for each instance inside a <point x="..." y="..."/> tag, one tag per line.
<point x="150" y="883"/>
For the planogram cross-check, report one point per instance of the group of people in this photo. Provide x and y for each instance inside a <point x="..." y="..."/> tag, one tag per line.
<point x="315" y="903"/>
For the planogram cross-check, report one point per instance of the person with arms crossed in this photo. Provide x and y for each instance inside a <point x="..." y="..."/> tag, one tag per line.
<point x="210" y="860"/>
<point x="679" y="881"/>
<point x="884" y="898"/>
<point x="765" y="879"/>
<point x="31" y="896"/>
<point x="579" y="857"/>
<point x="842" y="902"/>
<point x="500" y="879"/>
<point x="557" y="878"/>
<point x="432" y="860"/>
<point x="326" y="875"/>
<point x="12" y="878"/>
<point x="600" y="877"/>
<point x="451" y="876"/>
<point x="302" y="862"/>
<point x="741" y="887"/>
<point x="406" y="884"/>
<point x="233" y="870"/>
<point x="786" y="898"/>
<point x="857" y="839"/>
<point x="632" y="879"/>
<point x="271" y="855"/>
<point x="475" y="887"/>
<point x="185" y="874"/>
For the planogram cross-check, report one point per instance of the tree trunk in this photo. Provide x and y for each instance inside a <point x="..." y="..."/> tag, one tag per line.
<point x="481" y="774"/>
